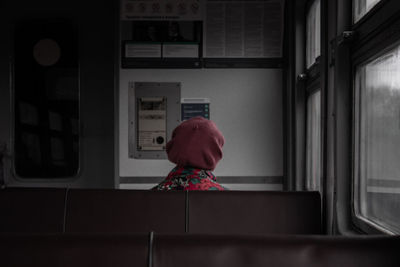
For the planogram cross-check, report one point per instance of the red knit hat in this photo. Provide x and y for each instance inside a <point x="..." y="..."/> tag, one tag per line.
<point x="197" y="143"/>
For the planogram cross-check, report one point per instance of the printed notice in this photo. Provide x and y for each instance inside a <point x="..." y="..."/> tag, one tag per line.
<point x="173" y="50"/>
<point x="243" y="29"/>
<point x="140" y="50"/>
<point x="194" y="107"/>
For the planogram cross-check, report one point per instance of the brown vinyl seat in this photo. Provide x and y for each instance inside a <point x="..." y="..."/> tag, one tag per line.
<point x="72" y="250"/>
<point x="32" y="210"/>
<point x="107" y="210"/>
<point x="197" y="250"/>
<point x="235" y="212"/>
<point x="274" y="251"/>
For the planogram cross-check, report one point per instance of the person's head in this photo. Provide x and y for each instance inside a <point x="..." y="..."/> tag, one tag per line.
<point x="196" y="142"/>
<point x="173" y="29"/>
<point x="152" y="32"/>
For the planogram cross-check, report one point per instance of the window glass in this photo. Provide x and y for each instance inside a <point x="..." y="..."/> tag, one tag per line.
<point x="313" y="143"/>
<point x="46" y="100"/>
<point x="361" y="7"/>
<point x="377" y="141"/>
<point x="313" y="47"/>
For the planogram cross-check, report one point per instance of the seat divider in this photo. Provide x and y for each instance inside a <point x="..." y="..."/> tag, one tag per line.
<point x="186" y="211"/>
<point x="65" y="209"/>
<point x="151" y="242"/>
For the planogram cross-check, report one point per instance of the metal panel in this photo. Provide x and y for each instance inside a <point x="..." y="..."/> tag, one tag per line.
<point x="166" y="95"/>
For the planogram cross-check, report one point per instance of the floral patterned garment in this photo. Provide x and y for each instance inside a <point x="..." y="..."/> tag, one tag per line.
<point x="189" y="179"/>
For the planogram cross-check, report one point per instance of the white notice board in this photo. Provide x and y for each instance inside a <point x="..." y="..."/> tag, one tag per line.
<point x="237" y="29"/>
<point x="243" y="29"/>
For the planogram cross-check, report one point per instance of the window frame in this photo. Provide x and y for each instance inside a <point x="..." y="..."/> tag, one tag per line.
<point x="376" y="34"/>
<point x="361" y="221"/>
<point x="50" y="133"/>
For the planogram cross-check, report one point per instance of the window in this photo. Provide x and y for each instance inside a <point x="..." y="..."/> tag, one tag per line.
<point x="313" y="142"/>
<point x="46" y="100"/>
<point x="313" y="45"/>
<point x="377" y="141"/>
<point x="313" y="101"/>
<point x="361" y="7"/>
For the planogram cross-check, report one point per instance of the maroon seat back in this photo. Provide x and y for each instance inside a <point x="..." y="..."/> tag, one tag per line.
<point x="33" y="210"/>
<point x="234" y="212"/>
<point x="98" y="210"/>
<point x="70" y="250"/>
<point x="274" y="251"/>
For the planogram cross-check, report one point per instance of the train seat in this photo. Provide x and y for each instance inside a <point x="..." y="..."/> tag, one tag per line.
<point x="106" y="210"/>
<point x="197" y="250"/>
<point x="52" y="210"/>
<point x="274" y="251"/>
<point x="232" y="212"/>
<point x="72" y="250"/>
<point x="32" y="210"/>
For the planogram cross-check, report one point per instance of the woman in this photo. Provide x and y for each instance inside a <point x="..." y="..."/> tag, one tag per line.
<point x="195" y="148"/>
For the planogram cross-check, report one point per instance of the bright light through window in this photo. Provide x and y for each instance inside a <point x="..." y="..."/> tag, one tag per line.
<point x="377" y="141"/>
<point x="313" y="154"/>
<point x="361" y="7"/>
<point x="313" y="47"/>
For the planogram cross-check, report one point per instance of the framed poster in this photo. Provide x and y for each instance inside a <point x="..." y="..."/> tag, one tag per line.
<point x="161" y="44"/>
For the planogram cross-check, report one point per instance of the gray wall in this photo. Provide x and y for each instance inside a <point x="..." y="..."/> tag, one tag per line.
<point x="96" y="42"/>
<point x="246" y="105"/>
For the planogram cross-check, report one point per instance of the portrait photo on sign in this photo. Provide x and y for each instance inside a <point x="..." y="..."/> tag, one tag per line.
<point x="166" y="31"/>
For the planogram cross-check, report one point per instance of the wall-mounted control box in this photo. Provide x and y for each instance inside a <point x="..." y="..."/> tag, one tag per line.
<point x="154" y="111"/>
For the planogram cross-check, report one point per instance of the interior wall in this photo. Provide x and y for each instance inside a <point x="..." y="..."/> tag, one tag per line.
<point x="96" y="23"/>
<point x="246" y="105"/>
